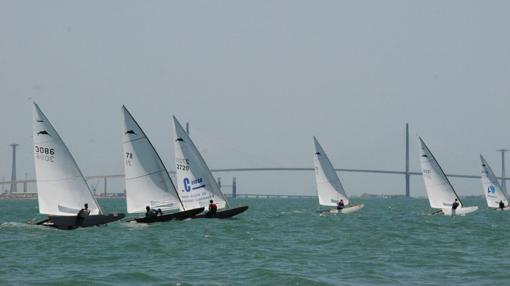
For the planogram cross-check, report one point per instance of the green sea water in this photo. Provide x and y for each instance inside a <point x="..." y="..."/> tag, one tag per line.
<point x="276" y="242"/>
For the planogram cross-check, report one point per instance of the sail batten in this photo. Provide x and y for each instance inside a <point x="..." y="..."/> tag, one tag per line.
<point x="145" y="175"/>
<point x="147" y="180"/>
<point x="329" y="187"/>
<point x="134" y="140"/>
<point x="195" y="182"/>
<point x="62" y="190"/>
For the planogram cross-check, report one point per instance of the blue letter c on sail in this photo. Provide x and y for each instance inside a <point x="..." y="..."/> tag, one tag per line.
<point x="187" y="188"/>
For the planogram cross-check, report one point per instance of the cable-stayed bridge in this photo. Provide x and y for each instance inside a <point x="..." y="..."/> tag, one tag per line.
<point x="105" y="178"/>
<point x="13" y="183"/>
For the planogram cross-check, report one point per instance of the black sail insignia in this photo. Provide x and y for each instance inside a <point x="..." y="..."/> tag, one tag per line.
<point x="44" y="132"/>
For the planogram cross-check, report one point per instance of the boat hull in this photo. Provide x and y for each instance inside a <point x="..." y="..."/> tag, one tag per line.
<point x="459" y="211"/>
<point x="346" y="210"/>
<point x="224" y="214"/>
<point x="169" y="217"/>
<point x="72" y="222"/>
<point x="505" y="209"/>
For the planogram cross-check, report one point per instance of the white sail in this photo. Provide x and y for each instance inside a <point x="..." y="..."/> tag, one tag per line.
<point x="61" y="188"/>
<point x="439" y="189"/>
<point x="491" y="187"/>
<point x="147" y="180"/>
<point x="329" y="187"/>
<point x="195" y="183"/>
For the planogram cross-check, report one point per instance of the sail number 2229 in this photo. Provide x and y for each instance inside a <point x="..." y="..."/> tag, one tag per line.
<point x="182" y="167"/>
<point x="182" y="164"/>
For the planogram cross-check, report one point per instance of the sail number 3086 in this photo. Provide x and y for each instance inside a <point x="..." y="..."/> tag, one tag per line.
<point x="45" y="153"/>
<point x="44" y="150"/>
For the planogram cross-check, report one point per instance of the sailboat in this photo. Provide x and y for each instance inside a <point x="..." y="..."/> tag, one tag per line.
<point x="148" y="183"/>
<point x="329" y="188"/>
<point x="195" y="183"/>
<point x="492" y="190"/>
<point x="439" y="189"/>
<point x="62" y="191"/>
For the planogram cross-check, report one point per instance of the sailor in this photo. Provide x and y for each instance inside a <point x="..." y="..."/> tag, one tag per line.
<point x="212" y="208"/>
<point x="501" y="204"/>
<point x="84" y="212"/>
<point x="455" y="204"/>
<point x="340" y="205"/>
<point x="152" y="212"/>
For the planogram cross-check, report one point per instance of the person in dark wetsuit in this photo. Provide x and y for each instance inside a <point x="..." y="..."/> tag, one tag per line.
<point x="152" y="212"/>
<point x="501" y="204"/>
<point x="455" y="204"/>
<point x="212" y="208"/>
<point x="340" y="205"/>
<point x="148" y="212"/>
<point x="82" y="214"/>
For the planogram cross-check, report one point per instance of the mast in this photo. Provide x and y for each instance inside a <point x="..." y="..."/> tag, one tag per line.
<point x="67" y="152"/>
<point x="157" y="155"/>
<point x="204" y="169"/>
<point x="503" y="173"/>
<point x="441" y="170"/>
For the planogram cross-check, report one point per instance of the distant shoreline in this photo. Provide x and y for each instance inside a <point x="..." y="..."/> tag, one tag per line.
<point x="33" y="196"/>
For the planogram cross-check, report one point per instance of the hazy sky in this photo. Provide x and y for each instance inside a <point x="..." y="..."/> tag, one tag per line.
<point x="256" y="80"/>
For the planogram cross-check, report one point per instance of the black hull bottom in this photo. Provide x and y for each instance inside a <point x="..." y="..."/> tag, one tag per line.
<point x="169" y="217"/>
<point x="224" y="214"/>
<point x="72" y="222"/>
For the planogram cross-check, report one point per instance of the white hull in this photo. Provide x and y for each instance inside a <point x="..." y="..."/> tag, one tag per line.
<point x="347" y="210"/>
<point x="507" y="208"/>
<point x="459" y="211"/>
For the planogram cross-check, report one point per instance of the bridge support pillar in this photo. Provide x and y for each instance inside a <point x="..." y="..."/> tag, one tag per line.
<point x="234" y="187"/>
<point x="408" y="177"/>
<point x="105" y="185"/>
